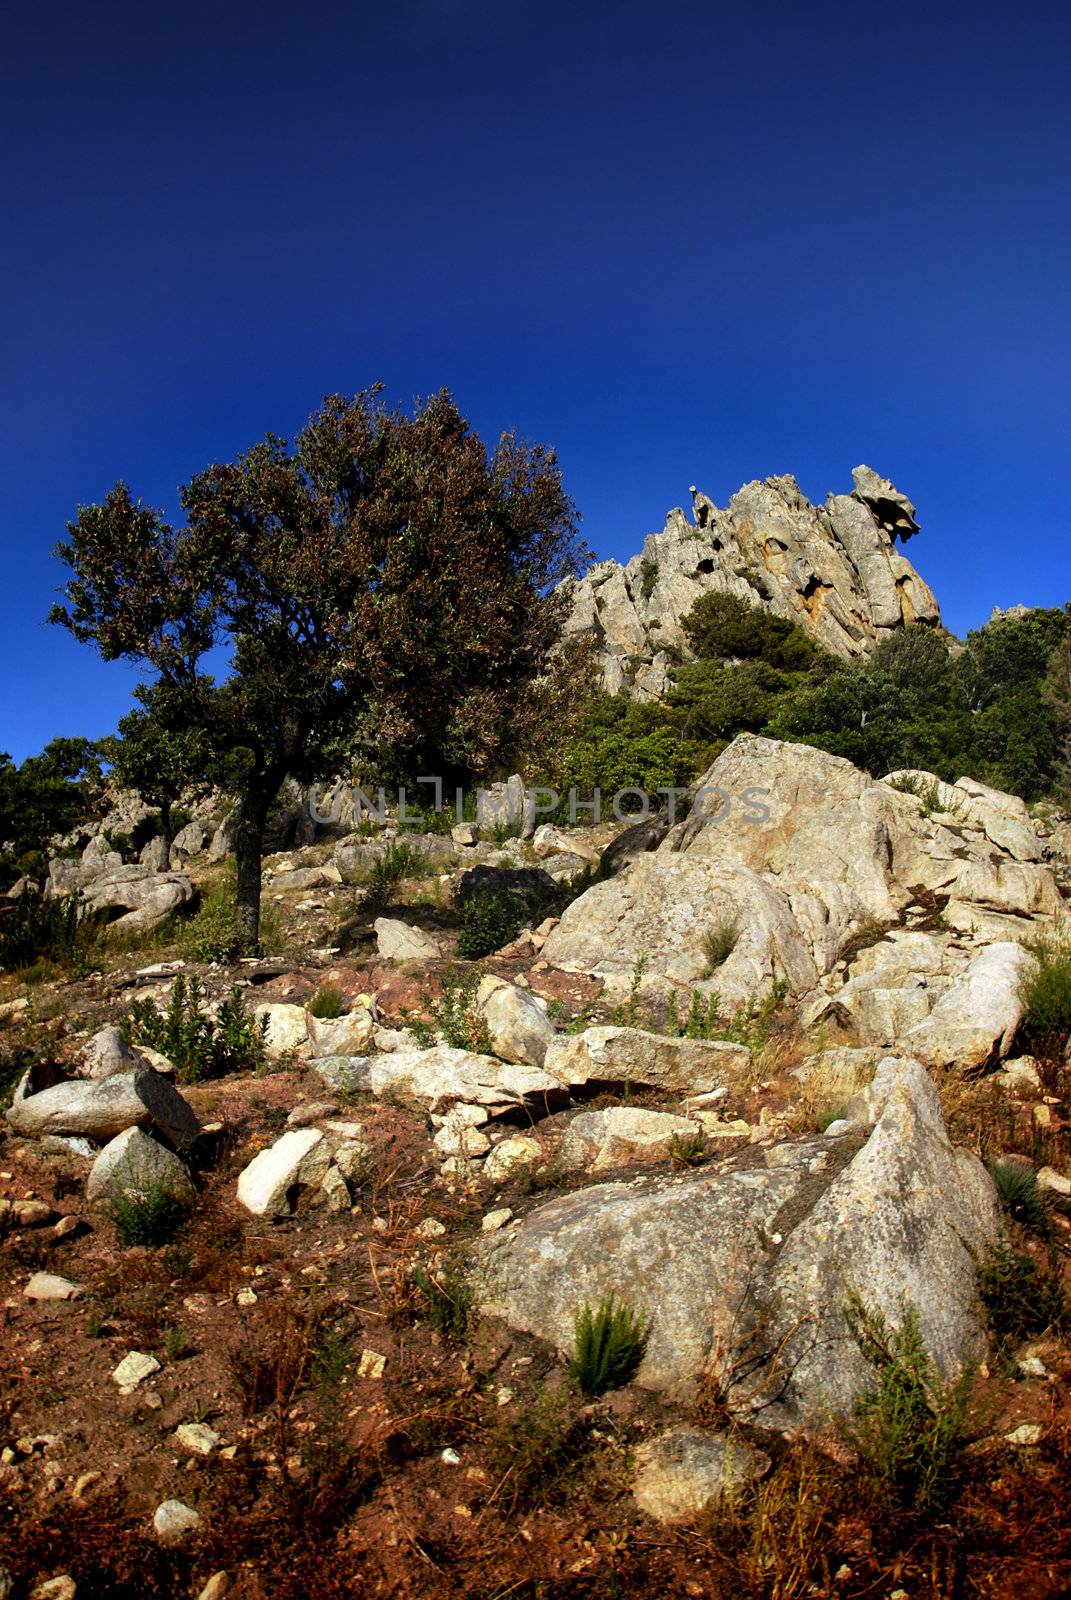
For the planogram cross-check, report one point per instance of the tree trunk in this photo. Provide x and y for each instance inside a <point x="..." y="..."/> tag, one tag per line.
<point x="248" y="844"/>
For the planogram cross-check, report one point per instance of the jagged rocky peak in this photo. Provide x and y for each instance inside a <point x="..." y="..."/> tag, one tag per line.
<point x="835" y="569"/>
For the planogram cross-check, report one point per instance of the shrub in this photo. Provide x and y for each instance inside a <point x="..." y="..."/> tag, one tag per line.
<point x="1046" y="992"/>
<point x="1021" y="1300"/>
<point x="648" y="576"/>
<point x="729" y="627"/>
<point x="448" y="1299"/>
<point x="197" y="1045"/>
<point x="151" y="1215"/>
<point x="211" y="934"/>
<point x="719" y="942"/>
<point x="1018" y="1192"/>
<point x="909" y="1428"/>
<point x="326" y="1003"/>
<point x="537" y="1453"/>
<point x="610" y="1343"/>
<point x="401" y="861"/>
<point x="33" y="928"/>
<point x="455" y="1019"/>
<point x="688" y="1150"/>
<point x="488" y="921"/>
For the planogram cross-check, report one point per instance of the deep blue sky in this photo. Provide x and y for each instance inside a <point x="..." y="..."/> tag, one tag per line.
<point x="684" y="243"/>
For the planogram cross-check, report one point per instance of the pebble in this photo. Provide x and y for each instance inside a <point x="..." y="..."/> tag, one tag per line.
<point x="198" y="1437"/>
<point x="1033" y="1367"/>
<point x="245" y="1297"/>
<point x="1054" y="1181"/>
<point x="134" y="1369"/>
<point x="1025" y="1433"/>
<point x="31" y="1213"/>
<point x="173" y="1520"/>
<point x="431" y="1228"/>
<point x="496" y="1219"/>
<point x="217" y="1586"/>
<point x="61" y="1588"/>
<point x="451" y="1458"/>
<point x="371" y="1364"/>
<point x="84" y="1482"/>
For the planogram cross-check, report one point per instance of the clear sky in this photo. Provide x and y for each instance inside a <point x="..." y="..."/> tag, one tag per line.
<point x="684" y="243"/>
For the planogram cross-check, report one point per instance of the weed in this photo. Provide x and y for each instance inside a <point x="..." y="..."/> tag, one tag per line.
<point x="151" y="1215"/>
<point x="909" y="1429"/>
<point x="455" y="1019"/>
<point x="326" y="1003"/>
<point x="176" y="1343"/>
<point x="537" y="1453"/>
<point x="627" y="1015"/>
<point x="401" y="861"/>
<point x="488" y="921"/>
<point x="1021" y="1300"/>
<point x="1046" y="993"/>
<point x="448" y="1298"/>
<point x="610" y="1344"/>
<point x="197" y="1045"/>
<point x="719" y="942"/>
<point x="331" y="1365"/>
<point x="1018" y="1192"/>
<point x="33" y="928"/>
<point x="688" y="1150"/>
<point x="648" y="576"/>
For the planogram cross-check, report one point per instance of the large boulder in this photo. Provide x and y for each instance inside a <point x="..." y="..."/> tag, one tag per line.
<point x="398" y="941"/>
<point x="975" y="1020"/>
<point x="101" y="1109"/>
<point x="618" y="1136"/>
<point x="612" y="1056"/>
<point x="134" y="1164"/>
<point x="517" y="1024"/>
<point x="136" y="898"/>
<point x="744" y="1275"/>
<point x="300" y="1158"/>
<point x="434" y="1080"/>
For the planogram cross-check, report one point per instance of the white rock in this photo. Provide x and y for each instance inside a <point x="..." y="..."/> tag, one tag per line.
<point x="619" y="1135"/>
<point x="1026" y="1433"/>
<point x="397" y="941"/>
<point x="349" y="1035"/>
<point x="494" y="1220"/>
<point x="517" y="1025"/>
<point x="976" y="1019"/>
<point x="1055" y="1182"/>
<point x="136" y="1164"/>
<point x="198" y="1437"/>
<point x="510" y="1157"/>
<point x="681" y="1472"/>
<point x="49" y="1286"/>
<point x="174" y="1521"/>
<point x="288" y="1028"/>
<point x="134" y="1368"/>
<point x="299" y="1157"/>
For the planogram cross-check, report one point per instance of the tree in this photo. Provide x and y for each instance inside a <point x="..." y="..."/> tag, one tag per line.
<point x="728" y="627"/>
<point x="48" y="794"/>
<point x="162" y="763"/>
<point x="386" y="573"/>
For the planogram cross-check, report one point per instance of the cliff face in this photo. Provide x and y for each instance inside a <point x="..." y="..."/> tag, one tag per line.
<point x="834" y="569"/>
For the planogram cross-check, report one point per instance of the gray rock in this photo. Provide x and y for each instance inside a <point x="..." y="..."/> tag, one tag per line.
<point x="134" y="1164"/>
<point x="617" y="1136"/>
<point x="156" y="855"/>
<point x="517" y="1025"/>
<point x="614" y="1056"/>
<point x="174" y="1521"/>
<point x="397" y="941"/>
<point x="189" y="841"/>
<point x="99" y="1110"/>
<point x="434" y="1080"/>
<point x="49" y="1286"/>
<point x="170" y="1114"/>
<point x="107" y="1053"/>
<point x="685" y="1470"/>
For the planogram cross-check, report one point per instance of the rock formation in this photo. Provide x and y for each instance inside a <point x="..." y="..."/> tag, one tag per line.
<point x="834" y="569"/>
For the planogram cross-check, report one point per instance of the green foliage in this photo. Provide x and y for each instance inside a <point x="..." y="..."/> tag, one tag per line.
<point x="1046" y="992"/>
<point x="198" y="1045"/>
<point x="624" y="744"/>
<point x="648" y="576"/>
<point x="610" y="1344"/>
<point x="627" y="1015"/>
<point x="719" y="942"/>
<point x="149" y="1215"/>
<point x="401" y="861"/>
<point x="909" y="1429"/>
<point x="13" y="1063"/>
<point x="688" y="1150"/>
<point x="163" y="764"/>
<point x="326" y="1003"/>
<point x="1021" y="1300"/>
<point x="488" y="921"/>
<point x="213" y="933"/>
<point x="1018" y="1192"/>
<point x="455" y="1020"/>
<point x="34" y="929"/>
<point x="51" y="793"/>
<point x="728" y="627"/>
<point x="538" y="1452"/>
<point x="448" y="1298"/>
<point x="717" y="702"/>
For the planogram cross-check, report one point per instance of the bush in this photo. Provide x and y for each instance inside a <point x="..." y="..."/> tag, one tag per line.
<point x="488" y="921"/>
<point x="728" y="627"/>
<point x="33" y="928"/>
<point x="1021" y="1300"/>
<point x="1018" y="1192"/>
<point x="719" y="942"/>
<point x="197" y="1045"/>
<point x="909" y="1429"/>
<point x="211" y="934"/>
<point x="401" y="861"/>
<point x="1046" y="993"/>
<point x="326" y="1003"/>
<point x="455" y="1019"/>
<point x="610" y="1343"/>
<point x="151" y="1215"/>
<point x="448" y="1299"/>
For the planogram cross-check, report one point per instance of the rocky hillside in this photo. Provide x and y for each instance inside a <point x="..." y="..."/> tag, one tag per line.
<point x="299" y="1300"/>
<point x="834" y="569"/>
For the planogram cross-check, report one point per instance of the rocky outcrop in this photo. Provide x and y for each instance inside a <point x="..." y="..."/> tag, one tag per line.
<point x="834" y="569"/>
<point x="743" y="1276"/>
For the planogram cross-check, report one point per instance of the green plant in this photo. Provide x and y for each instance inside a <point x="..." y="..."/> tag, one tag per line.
<point x="1021" y="1300"/>
<point x="688" y="1150"/>
<point x="1018" y="1192"/>
<point x="627" y="1015"/>
<point x="455" y="1020"/>
<point x="197" y="1045"/>
<point x="448" y="1298"/>
<point x="33" y="928"/>
<point x="610" y="1344"/>
<point x="326" y="1003"/>
<point x="648" y="576"/>
<point x="909" y="1428"/>
<point x="488" y="921"/>
<point x="331" y="1365"/>
<point x="1046" y="992"/>
<point x="719" y="942"/>
<point x="212" y="933"/>
<point x="401" y="861"/>
<point x="151" y="1214"/>
<point x="537" y="1453"/>
<point x="176" y="1343"/>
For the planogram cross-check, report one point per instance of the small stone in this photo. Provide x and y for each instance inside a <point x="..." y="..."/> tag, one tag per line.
<point x="1033" y="1367"/>
<point x="317" y="1111"/>
<point x="31" y="1213"/>
<point x="504" y="1395"/>
<point x="83" y="1483"/>
<point x="513" y="1155"/>
<point x="1026" y="1433"/>
<point x="134" y="1369"/>
<point x="683" y="1471"/>
<point x="451" y="1458"/>
<point x="217" y="1586"/>
<point x="49" y="1286"/>
<point x="431" y="1228"/>
<point x="67" y="1226"/>
<point x="173" y="1521"/>
<point x="245" y="1297"/>
<point x="496" y="1219"/>
<point x="1042" y="1116"/>
<point x="198" y="1437"/>
<point x="61" y="1588"/>
<point x="371" y="1364"/>
<point x="1055" y="1182"/>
